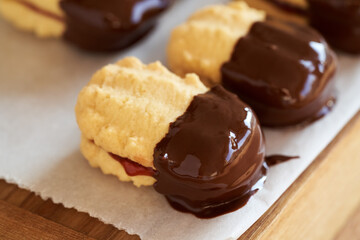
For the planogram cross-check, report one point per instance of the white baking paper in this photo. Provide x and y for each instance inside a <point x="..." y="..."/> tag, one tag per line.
<point x="39" y="138"/>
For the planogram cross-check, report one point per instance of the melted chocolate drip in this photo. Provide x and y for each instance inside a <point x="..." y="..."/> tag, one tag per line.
<point x="132" y="168"/>
<point x="105" y="25"/>
<point x="212" y="159"/>
<point x="283" y="71"/>
<point x="277" y="159"/>
<point x="338" y="21"/>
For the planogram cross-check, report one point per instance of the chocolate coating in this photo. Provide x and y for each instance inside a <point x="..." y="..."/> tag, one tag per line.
<point x="338" y="21"/>
<point x="104" y="25"/>
<point x="212" y="159"/>
<point x="283" y="71"/>
<point x="277" y="159"/>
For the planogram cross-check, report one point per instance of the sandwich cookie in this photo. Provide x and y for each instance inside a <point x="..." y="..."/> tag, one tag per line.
<point x="201" y="148"/>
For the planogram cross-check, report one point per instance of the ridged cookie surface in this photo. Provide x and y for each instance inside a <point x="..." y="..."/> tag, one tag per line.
<point x="29" y="19"/>
<point x="127" y="107"/>
<point x="207" y="39"/>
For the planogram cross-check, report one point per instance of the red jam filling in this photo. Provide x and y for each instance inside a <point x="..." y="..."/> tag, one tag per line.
<point x="132" y="168"/>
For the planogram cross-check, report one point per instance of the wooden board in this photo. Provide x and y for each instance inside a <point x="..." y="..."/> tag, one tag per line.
<point x="323" y="203"/>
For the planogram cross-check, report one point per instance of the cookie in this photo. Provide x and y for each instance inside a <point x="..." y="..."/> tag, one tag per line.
<point x="283" y="70"/>
<point x="93" y="25"/>
<point x="201" y="148"/>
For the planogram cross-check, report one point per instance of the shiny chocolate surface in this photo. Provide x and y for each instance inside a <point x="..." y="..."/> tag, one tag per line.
<point x="283" y="71"/>
<point x="273" y="160"/>
<point x="212" y="159"/>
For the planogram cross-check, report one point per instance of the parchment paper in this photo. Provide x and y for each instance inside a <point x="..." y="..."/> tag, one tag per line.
<point x="39" y="138"/>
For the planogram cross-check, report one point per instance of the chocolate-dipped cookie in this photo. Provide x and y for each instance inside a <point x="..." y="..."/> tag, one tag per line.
<point x="90" y="24"/>
<point x="281" y="69"/>
<point x="202" y="148"/>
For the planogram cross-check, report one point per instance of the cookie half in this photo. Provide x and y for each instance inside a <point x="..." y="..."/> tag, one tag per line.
<point x="127" y="107"/>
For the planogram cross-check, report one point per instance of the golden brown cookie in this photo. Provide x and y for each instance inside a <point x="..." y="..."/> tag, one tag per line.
<point x="126" y="110"/>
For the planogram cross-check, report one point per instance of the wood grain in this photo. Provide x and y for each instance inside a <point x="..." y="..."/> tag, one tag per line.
<point x="323" y="203"/>
<point x="16" y="223"/>
<point x="351" y="230"/>
<point x="70" y="219"/>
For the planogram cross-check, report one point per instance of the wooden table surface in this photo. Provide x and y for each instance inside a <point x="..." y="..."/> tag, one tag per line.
<point x="323" y="203"/>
